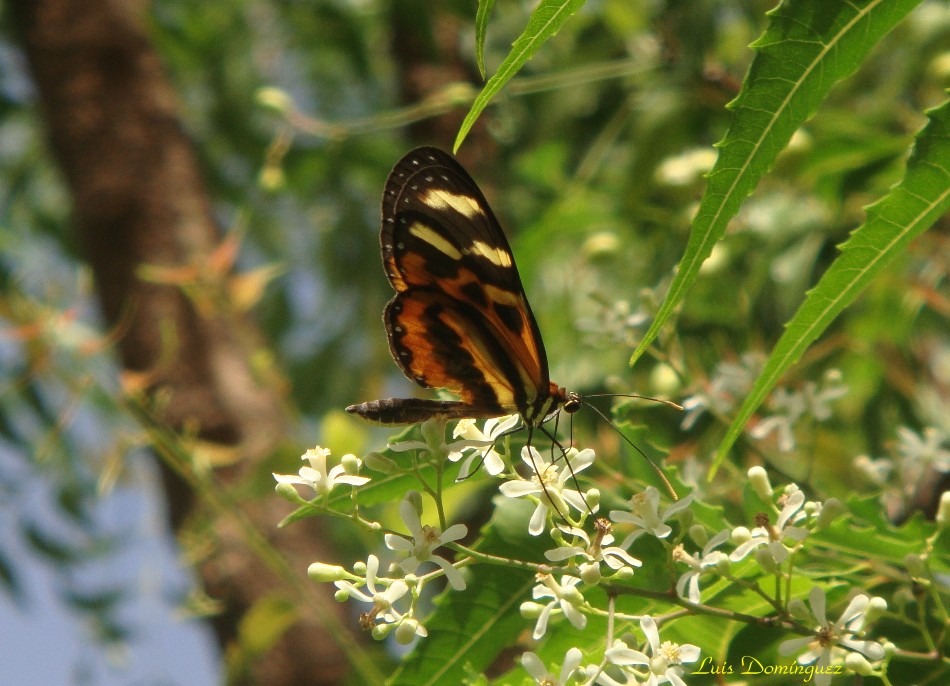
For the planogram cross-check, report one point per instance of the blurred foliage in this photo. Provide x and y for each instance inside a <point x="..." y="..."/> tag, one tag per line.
<point x="595" y="165"/>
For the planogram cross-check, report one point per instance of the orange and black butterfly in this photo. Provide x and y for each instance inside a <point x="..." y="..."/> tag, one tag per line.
<point x="460" y="319"/>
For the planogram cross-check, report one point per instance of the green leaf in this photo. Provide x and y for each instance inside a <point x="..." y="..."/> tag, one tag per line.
<point x="913" y="206"/>
<point x="474" y="626"/>
<point x="481" y="27"/>
<point x="808" y="47"/>
<point x="546" y="20"/>
<point x="869" y="534"/>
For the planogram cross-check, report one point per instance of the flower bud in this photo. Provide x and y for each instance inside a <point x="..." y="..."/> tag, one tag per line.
<point x="381" y="631"/>
<point x="274" y="98"/>
<point x="414" y="498"/>
<point x="602" y="243"/>
<point x="685" y="518"/>
<point x="764" y="557"/>
<point x="319" y="571"/>
<point x="406" y="631"/>
<point x="288" y="492"/>
<point x="877" y="606"/>
<point x="740" y="535"/>
<point x="698" y="534"/>
<point x="625" y="573"/>
<point x="759" y="480"/>
<point x="271" y="178"/>
<point x="858" y="664"/>
<point x="351" y="464"/>
<point x="530" y="610"/>
<point x="590" y="573"/>
<point x="572" y="595"/>
<point x="915" y="565"/>
<point x="798" y="610"/>
<point x="664" y="379"/>
<point x="943" y="511"/>
<point x="830" y="511"/>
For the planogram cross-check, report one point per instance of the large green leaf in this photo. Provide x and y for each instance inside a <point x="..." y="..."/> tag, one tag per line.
<point x="546" y="20"/>
<point x="808" y="47"/>
<point x="921" y="198"/>
<point x="869" y="534"/>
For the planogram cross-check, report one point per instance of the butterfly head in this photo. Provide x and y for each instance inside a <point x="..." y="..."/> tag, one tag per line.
<point x="572" y="401"/>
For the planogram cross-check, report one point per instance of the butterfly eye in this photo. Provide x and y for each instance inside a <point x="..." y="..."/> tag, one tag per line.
<point x="573" y="403"/>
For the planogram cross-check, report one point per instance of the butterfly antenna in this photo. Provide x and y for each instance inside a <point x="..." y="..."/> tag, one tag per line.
<point x="662" y="401"/>
<point x="656" y="468"/>
<point x="538" y="473"/>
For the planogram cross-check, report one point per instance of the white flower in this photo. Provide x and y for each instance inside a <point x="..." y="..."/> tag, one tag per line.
<point x="730" y="382"/>
<point x="819" y="398"/>
<point x="773" y="537"/>
<point x="482" y="446"/>
<point x="547" y="483"/>
<point x="830" y="640"/>
<point x="565" y="598"/>
<point x="687" y="586"/>
<point x="594" y="552"/>
<point x="381" y="600"/>
<point x="316" y="475"/>
<point x="533" y="665"/>
<point x="408" y="629"/>
<point x="425" y="539"/>
<point x="876" y="471"/>
<point x="645" y="515"/>
<point x="665" y="658"/>
<point x="926" y="447"/>
<point x="632" y="664"/>
<point x="790" y="407"/>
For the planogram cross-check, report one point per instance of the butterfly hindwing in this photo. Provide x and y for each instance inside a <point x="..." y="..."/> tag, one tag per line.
<point x="442" y="343"/>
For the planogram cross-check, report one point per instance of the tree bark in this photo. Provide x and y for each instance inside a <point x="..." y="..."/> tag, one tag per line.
<point x="139" y="199"/>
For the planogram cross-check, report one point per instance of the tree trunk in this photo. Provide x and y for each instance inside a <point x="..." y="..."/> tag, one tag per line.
<point x="139" y="199"/>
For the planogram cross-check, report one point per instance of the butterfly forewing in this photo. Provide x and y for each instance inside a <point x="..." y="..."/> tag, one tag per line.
<point x="430" y="202"/>
<point x="460" y="319"/>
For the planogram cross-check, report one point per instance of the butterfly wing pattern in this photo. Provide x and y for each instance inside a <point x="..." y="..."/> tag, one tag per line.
<point x="460" y="319"/>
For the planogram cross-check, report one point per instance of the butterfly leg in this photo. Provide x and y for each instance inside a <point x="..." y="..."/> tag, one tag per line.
<point x="540" y="476"/>
<point x="555" y="442"/>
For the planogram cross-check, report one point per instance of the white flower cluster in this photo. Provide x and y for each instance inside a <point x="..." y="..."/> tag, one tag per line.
<point x="917" y="458"/>
<point x="581" y="559"/>
<point x="732" y="381"/>
<point x="621" y="664"/>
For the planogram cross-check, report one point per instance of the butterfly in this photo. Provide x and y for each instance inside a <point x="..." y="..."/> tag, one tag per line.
<point x="460" y="319"/>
